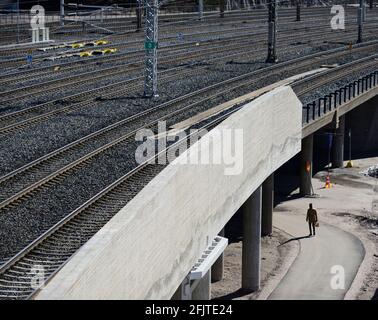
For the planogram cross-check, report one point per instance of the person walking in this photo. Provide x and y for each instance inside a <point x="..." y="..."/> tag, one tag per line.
<point x="312" y="219"/>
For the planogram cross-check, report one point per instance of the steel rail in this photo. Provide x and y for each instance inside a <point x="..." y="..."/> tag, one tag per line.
<point x="333" y="74"/>
<point x="16" y="61"/>
<point x="11" y="117"/>
<point x="230" y="84"/>
<point x="62" y="240"/>
<point x="28" y="257"/>
<point x="194" y="25"/>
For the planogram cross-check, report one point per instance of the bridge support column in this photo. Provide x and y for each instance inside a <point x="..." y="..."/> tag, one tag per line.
<point x="203" y="289"/>
<point x="218" y="266"/>
<point x="139" y="15"/>
<point x="267" y="206"/>
<point x="251" y="252"/>
<point x="221" y="8"/>
<point x="338" y="145"/>
<point x="183" y="291"/>
<point x="200" y="9"/>
<point x="305" y="186"/>
<point x="62" y="12"/>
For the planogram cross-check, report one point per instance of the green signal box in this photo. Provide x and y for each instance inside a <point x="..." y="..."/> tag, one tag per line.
<point x="149" y="45"/>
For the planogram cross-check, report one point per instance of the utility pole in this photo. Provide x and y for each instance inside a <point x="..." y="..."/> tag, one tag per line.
<point x="62" y="12"/>
<point x="298" y="10"/>
<point x="200" y="9"/>
<point x="350" y="163"/>
<point x="272" y="37"/>
<point x="221" y="8"/>
<point x="360" y="21"/>
<point x="330" y="141"/>
<point x="151" y="45"/>
<point x="18" y="21"/>
<point x="139" y="15"/>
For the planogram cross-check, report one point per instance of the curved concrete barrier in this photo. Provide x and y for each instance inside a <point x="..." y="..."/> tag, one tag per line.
<point x="147" y="249"/>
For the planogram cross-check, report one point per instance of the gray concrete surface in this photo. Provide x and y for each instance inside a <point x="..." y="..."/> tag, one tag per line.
<point x="203" y="289"/>
<point x="310" y="275"/>
<point x="148" y="248"/>
<point x="251" y="255"/>
<point x="338" y="144"/>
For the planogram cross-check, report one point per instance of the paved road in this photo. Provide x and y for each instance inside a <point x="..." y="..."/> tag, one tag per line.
<point x="310" y="274"/>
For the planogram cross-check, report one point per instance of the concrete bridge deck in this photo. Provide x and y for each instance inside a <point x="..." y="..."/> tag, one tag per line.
<point x="149" y="247"/>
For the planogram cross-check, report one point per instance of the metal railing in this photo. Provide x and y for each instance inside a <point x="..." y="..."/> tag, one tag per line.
<point x="318" y="108"/>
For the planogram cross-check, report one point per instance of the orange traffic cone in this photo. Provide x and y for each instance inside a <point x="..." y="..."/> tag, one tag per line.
<point x="328" y="184"/>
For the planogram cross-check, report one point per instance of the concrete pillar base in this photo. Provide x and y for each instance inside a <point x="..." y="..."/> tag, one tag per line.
<point x="221" y="8"/>
<point x="218" y="267"/>
<point x="338" y="145"/>
<point x="178" y="294"/>
<point x="202" y="291"/>
<point x="194" y="290"/>
<point x="183" y="291"/>
<point x="305" y="186"/>
<point x="267" y="206"/>
<point x="251" y="254"/>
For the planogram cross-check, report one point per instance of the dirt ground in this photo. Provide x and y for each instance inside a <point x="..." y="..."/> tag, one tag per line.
<point x="351" y="204"/>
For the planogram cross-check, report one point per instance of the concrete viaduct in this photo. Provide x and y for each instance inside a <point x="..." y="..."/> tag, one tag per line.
<point x="167" y="242"/>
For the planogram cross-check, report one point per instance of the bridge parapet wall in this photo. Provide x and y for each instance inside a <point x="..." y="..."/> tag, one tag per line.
<point x="146" y="250"/>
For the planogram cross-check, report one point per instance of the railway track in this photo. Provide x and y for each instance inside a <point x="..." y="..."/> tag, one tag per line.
<point x="48" y="254"/>
<point x="50" y="251"/>
<point x="52" y="85"/>
<point x="50" y="168"/>
<point x="312" y="83"/>
<point x="74" y="65"/>
<point x="119" y="26"/>
<point x="97" y="75"/>
<point x="44" y="88"/>
<point x="66" y="67"/>
<point x="137" y="42"/>
<point x="94" y="76"/>
<point x="105" y="92"/>
<point x="191" y="23"/>
<point x="138" y="39"/>
<point x="16" y="120"/>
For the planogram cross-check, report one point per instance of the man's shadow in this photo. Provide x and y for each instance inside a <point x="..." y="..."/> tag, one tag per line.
<point x="293" y="239"/>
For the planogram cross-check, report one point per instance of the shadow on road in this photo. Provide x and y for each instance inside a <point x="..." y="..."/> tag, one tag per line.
<point x="293" y="239"/>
